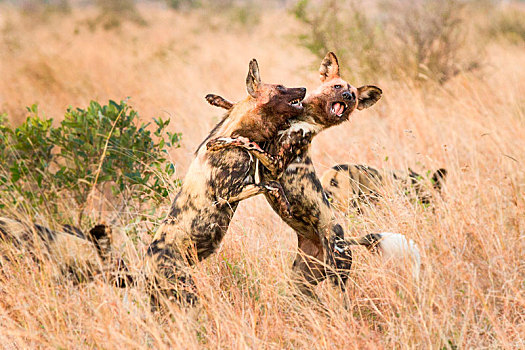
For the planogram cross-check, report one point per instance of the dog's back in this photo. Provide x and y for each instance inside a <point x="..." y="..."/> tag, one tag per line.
<point x="68" y="247"/>
<point x="355" y="185"/>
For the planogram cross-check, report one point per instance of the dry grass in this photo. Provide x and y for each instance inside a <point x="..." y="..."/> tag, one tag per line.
<point x="471" y="294"/>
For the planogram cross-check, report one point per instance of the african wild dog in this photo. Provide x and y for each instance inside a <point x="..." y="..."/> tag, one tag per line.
<point x="215" y="183"/>
<point x="353" y="185"/>
<point x="320" y="238"/>
<point x="78" y="255"/>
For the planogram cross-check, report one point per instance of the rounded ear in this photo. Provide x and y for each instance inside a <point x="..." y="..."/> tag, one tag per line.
<point x="368" y="95"/>
<point x="329" y="67"/>
<point x="253" y="80"/>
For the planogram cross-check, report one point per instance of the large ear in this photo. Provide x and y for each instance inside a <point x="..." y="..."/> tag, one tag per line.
<point x="253" y="80"/>
<point x="329" y="67"/>
<point x="368" y="95"/>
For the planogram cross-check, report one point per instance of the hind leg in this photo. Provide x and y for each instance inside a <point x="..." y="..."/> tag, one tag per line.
<point x="168" y="269"/>
<point x="316" y="261"/>
<point x="308" y="266"/>
<point x="174" y="284"/>
<point x="171" y="282"/>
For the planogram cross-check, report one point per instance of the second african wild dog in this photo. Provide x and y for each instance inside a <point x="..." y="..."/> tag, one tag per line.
<point x="320" y="238"/>
<point x="77" y="255"/>
<point x="353" y="185"/>
<point x="215" y="183"/>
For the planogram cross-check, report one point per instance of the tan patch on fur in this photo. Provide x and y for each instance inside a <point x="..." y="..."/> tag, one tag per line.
<point x="237" y="117"/>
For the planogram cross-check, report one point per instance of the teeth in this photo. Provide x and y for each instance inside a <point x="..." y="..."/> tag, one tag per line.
<point x="338" y="109"/>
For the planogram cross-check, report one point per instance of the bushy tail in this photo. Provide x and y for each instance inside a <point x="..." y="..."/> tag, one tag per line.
<point x="371" y="241"/>
<point x="391" y="246"/>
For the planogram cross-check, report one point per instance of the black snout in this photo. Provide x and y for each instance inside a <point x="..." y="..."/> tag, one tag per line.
<point x="347" y="95"/>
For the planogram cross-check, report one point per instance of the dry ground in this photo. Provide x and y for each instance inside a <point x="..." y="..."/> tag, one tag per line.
<point x="471" y="293"/>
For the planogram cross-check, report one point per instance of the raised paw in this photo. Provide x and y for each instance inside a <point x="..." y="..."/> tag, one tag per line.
<point x="227" y="142"/>
<point x="218" y="101"/>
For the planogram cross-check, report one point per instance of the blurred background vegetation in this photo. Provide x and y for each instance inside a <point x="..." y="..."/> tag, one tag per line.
<point x="75" y="149"/>
<point x="419" y="40"/>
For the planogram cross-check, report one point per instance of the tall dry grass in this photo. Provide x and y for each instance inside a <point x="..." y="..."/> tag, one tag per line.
<point x="471" y="292"/>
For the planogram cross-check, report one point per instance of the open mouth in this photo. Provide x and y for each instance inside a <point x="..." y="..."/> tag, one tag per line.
<point x="296" y="103"/>
<point x="338" y="108"/>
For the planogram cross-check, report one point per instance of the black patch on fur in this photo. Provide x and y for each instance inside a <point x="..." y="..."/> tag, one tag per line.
<point x="4" y="235"/>
<point x="370" y="171"/>
<point x="414" y="177"/>
<point x="73" y="231"/>
<point x="438" y="178"/>
<point x="340" y="167"/>
<point x="45" y="233"/>
<point x="314" y="180"/>
<point x="175" y="210"/>
<point x="371" y="240"/>
<point x="102" y="241"/>
<point x="338" y="231"/>
<point x="339" y="257"/>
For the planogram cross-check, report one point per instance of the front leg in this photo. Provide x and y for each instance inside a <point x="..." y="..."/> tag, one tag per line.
<point x="274" y="164"/>
<point x="271" y="188"/>
<point x="293" y="144"/>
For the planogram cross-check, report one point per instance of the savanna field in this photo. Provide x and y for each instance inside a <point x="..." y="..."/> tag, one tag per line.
<point x="453" y="81"/>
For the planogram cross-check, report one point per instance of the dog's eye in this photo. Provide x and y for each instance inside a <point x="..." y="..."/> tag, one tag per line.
<point x="280" y="88"/>
<point x="337" y="86"/>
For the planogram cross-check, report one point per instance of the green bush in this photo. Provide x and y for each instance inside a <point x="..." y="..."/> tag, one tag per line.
<point x="25" y="158"/>
<point x="91" y="149"/>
